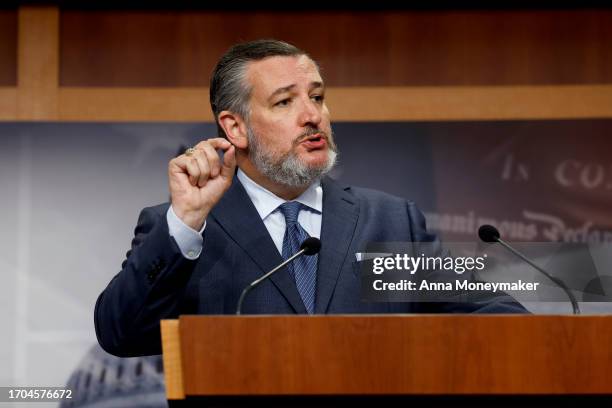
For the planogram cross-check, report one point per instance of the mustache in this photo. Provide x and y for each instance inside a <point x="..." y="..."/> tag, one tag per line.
<point x="308" y="133"/>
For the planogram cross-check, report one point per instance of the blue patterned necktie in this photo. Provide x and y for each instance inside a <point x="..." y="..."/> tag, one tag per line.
<point x="304" y="268"/>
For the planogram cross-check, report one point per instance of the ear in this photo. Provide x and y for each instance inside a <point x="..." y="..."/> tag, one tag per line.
<point x="235" y="128"/>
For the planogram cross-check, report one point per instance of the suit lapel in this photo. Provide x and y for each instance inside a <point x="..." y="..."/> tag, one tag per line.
<point x="340" y="215"/>
<point x="238" y="217"/>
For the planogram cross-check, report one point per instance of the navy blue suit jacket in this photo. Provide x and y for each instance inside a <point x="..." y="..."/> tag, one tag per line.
<point x="157" y="282"/>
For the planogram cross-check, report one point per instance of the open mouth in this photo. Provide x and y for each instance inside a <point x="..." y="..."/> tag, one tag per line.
<point x="315" y="141"/>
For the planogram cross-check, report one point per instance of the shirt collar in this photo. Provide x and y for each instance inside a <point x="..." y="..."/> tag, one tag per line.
<point x="266" y="202"/>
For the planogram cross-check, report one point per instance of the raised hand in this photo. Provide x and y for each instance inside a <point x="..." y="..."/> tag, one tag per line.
<point x="198" y="179"/>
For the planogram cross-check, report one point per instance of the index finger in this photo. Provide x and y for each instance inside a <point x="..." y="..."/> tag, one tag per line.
<point x="216" y="143"/>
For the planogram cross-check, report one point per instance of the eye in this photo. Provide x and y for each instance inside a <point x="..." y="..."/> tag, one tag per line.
<point x="284" y="102"/>
<point x="318" y="98"/>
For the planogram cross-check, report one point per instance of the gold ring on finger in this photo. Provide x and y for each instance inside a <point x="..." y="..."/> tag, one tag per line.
<point x="190" y="151"/>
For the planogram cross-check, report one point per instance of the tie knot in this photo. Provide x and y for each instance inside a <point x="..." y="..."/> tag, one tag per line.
<point x="290" y="210"/>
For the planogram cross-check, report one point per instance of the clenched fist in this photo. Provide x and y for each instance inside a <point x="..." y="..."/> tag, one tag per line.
<point x="199" y="180"/>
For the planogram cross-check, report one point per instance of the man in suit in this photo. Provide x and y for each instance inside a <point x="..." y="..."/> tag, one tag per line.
<point x="225" y="227"/>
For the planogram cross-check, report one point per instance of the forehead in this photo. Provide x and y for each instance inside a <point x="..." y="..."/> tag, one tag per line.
<point x="267" y="75"/>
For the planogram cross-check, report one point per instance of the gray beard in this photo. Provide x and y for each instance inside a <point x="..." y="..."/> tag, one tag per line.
<point x="287" y="170"/>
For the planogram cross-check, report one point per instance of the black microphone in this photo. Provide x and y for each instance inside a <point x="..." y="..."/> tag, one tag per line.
<point x="490" y="234"/>
<point x="310" y="246"/>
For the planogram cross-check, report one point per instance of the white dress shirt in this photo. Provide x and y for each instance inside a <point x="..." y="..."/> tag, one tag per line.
<point x="266" y="203"/>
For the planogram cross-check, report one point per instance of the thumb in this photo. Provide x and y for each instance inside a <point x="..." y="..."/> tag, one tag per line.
<point x="229" y="163"/>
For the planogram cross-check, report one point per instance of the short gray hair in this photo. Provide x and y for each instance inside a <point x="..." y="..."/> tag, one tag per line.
<point x="228" y="88"/>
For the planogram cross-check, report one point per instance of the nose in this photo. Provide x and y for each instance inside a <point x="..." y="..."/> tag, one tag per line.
<point x="310" y="114"/>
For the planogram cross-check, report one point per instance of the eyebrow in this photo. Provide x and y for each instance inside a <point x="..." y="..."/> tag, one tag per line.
<point x="315" y="84"/>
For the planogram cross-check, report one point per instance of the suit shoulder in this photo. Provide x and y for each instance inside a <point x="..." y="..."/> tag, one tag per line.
<point x="378" y="197"/>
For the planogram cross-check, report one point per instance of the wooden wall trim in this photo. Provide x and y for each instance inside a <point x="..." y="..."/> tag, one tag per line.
<point x="354" y="103"/>
<point x="8" y="103"/>
<point x="472" y="103"/>
<point x="37" y="62"/>
<point x="134" y="104"/>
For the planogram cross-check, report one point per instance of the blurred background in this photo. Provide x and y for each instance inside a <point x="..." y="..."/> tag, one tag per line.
<point x="481" y="115"/>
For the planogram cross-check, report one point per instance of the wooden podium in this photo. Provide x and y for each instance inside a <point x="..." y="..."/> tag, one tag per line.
<point x="229" y="360"/>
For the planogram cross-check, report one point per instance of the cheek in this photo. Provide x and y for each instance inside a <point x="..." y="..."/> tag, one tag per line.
<point x="281" y="133"/>
<point x="273" y="137"/>
<point x="277" y="131"/>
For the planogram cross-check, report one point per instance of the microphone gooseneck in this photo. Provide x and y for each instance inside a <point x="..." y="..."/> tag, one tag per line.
<point x="490" y="234"/>
<point x="310" y="246"/>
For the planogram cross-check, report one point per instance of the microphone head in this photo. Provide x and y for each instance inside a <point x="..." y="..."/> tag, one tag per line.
<point x="488" y="233"/>
<point x="311" y="246"/>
